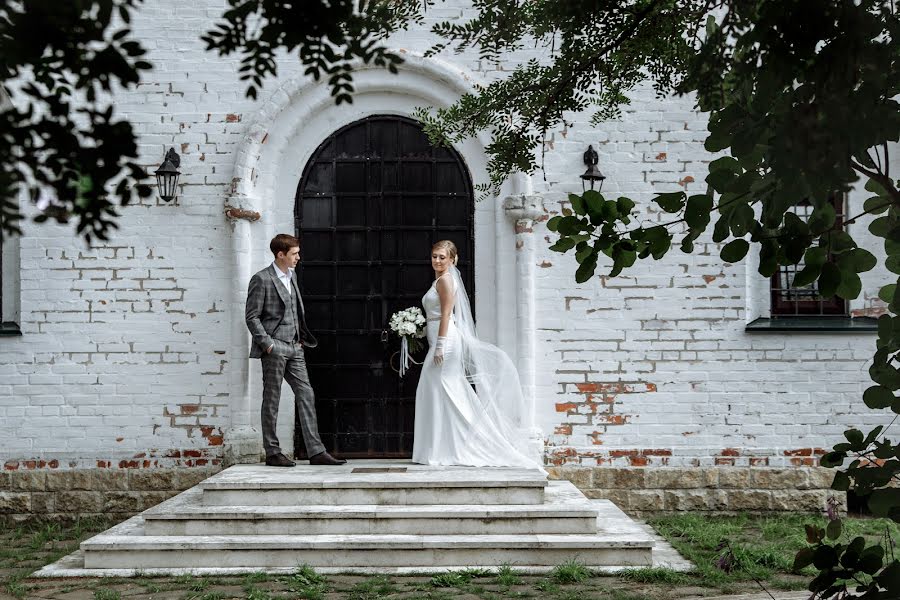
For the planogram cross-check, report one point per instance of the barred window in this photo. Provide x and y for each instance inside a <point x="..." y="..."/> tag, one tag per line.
<point x="790" y="301"/>
<point x="9" y="285"/>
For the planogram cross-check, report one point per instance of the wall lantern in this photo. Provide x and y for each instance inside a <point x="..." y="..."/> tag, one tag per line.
<point x="592" y="173"/>
<point x="167" y="175"/>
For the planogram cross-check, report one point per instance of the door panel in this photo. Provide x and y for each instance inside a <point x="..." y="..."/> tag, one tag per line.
<point x="372" y="200"/>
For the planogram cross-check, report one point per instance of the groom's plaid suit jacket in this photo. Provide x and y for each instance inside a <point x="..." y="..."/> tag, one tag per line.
<point x="267" y="300"/>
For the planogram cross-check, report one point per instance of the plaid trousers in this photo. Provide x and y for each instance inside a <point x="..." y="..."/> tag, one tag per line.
<point x="287" y="361"/>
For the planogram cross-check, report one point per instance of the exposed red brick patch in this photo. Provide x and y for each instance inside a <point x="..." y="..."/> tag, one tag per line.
<point x="724" y="462"/>
<point x="11" y="465"/>
<point x="189" y="409"/>
<point x="709" y="278"/>
<point x="759" y="461"/>
<point x="872" y="311"/>
<point x="656" y="452"/>
<point x="232" y="118"/>
<point x="546" y="264"/>
<point x="184" y="147"/>
<point x="103" y="464"/>
<point x="595" y="438"/>
<point x="799" y="452"/>
<point x="661" y="156"/>
<point x="612" y="419"/>
<point x="564" y="407"/>
<point x="685" y="180"/>
<point x="638" y="461"/>
<point x="730" y="452"/>
<point x="564" y="429"/>
<point x="804" y="462"/>
<point x="119" y="439"/>
<point x="523" y="228"/>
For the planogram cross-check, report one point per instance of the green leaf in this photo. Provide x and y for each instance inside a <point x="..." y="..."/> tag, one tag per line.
<point x="881" y="226"/>
<point x="563" y="245"/>
<point x="671" y="202"/>
<point x="829" y="280"/>
<point x="698" y="211"/>
<point x="892" y="263"/>
<point x="735" y="250"/>
<point x="878" y="396"/>
<point x="741" y="218"/>
<point x="624" y="205"/>
<point x="850" y="286"/>
<point x="854" y="436"/>
<point x="876" y="205"/>
<point x="577" y="204"/>
<point x="832" y="459"/>
<point x="553" y="223"/>
<point x="822" y="219"/>
<point x="875" y="187"/>
<point x="886" y="293"/>
<point x="824" y="557"/>
<point x="586" y="269"/>
<point x="594" y="202"/>
<point x="806" y="276"/>
<point x="833" y="529"/>
<point x="803" y="559"/>
<point x="837" y="242"/>
<point x="857" y="260"/>
<point x="841" y="482"/>
<point x="871" y="559"/>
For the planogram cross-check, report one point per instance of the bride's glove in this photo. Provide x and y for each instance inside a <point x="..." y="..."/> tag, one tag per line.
<point x="439" y="349"/>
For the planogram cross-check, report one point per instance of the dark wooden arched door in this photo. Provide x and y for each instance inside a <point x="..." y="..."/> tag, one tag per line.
<point x="373" y="198"/>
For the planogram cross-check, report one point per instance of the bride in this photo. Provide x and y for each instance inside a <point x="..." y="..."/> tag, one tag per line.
<point x="456" y="423"/>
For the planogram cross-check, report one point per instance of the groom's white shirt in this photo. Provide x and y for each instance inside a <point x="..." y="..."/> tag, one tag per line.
<point x="285" y="278"/>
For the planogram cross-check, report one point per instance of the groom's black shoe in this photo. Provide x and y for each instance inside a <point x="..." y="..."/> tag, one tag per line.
<point x="323" y="458"/>
<point x="279" y="460"/>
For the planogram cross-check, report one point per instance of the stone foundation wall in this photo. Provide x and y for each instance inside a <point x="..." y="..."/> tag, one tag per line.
<point x="66" y="495"/>
<point x="641" y="491"/>
<point x="120" y="493"/>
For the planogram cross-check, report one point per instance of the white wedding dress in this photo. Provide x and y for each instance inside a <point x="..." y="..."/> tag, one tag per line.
<point x="469" y="409"/>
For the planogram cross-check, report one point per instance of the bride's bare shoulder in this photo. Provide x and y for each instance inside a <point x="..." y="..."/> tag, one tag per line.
<point x="444" y="283"/>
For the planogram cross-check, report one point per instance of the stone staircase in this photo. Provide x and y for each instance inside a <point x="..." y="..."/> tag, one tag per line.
<point x="368" y="517"/>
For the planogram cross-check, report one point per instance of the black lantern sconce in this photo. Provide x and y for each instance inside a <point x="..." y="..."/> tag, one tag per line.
<point x="592" y="174"/>
<point x="167" y="175"/>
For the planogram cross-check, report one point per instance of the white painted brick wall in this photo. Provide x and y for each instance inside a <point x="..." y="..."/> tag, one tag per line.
<point x="125" y="355"/>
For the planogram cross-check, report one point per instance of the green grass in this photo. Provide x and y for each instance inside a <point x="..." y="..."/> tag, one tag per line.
<point x="570" y="572"/>
<point x="450" y="579"/>
<point x="103" y="594"/>
<point x="655" y="575"/>
<point x="373" y="588"/>
<point x="306" y="583"/>
<point x="507" y="577"/>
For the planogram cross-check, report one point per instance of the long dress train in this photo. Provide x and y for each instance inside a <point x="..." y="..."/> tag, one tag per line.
<point x="469" y="408"/>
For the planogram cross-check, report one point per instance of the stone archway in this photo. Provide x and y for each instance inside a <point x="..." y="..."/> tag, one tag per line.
<point x="268" y="167"/>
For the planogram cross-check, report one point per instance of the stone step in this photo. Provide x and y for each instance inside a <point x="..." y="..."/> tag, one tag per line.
<point x="564" y="510"/>
<point x="381" y="483"/>
<point x="126" y="547"/>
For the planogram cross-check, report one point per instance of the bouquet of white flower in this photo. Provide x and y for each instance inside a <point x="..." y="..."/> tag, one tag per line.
<point x="409" y="324"/>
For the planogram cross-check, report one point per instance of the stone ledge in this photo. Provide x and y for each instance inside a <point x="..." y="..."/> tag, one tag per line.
<point x="66" y="495"/>
<point x="644" y="491"/>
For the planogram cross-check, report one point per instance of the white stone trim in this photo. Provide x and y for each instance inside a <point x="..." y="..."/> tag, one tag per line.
<point x="270" y="161"/>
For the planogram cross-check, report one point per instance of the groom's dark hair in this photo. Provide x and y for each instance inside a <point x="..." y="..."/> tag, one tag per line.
<point x="283" y="243"/>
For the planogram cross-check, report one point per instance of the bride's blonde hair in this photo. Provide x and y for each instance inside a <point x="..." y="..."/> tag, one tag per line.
<point x="450" y="247"/>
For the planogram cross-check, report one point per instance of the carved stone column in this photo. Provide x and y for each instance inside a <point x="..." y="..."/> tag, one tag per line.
<point x="524" y="209"/>
<point x="243" y="443"/>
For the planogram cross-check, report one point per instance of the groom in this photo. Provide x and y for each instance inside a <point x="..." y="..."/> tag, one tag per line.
<point x="277" y="325"/>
